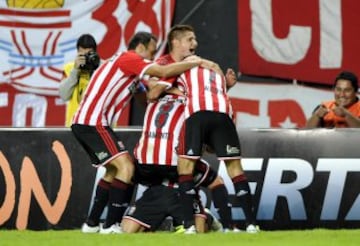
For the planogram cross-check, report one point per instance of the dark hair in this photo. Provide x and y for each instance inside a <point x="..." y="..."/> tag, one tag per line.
<point x="346" y="75"/>
<point x="141" y="38"/>
<point x="86" y="41"/>
<point x="176" y="31"/>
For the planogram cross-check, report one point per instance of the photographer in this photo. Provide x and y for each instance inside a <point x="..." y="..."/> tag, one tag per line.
<point x="77" y="74"/>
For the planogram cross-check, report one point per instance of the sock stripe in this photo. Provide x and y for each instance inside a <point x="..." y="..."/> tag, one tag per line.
<point x="185" y="178"/>
<point x="239" y="178"/>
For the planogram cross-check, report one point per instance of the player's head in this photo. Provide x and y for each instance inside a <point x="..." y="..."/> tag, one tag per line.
<point x="182" y="40"/>
<point x="345" y="88"/>
<point x="143" y="43"/>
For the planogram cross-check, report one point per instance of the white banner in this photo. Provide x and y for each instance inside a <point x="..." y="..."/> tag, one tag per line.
<point x="38" y="37"/>
<point x="272" y="105"/>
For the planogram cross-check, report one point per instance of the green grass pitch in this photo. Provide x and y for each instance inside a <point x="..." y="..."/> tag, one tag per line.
<point x="315" y="237"/>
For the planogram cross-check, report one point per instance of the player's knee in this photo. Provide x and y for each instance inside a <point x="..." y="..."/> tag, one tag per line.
<point x="218" y="181"/>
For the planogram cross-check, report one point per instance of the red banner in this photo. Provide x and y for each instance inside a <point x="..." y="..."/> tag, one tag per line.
<point x="306" y="40"/>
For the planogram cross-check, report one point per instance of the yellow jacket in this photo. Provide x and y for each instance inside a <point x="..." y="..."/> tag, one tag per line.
<point x="79" y="89"/>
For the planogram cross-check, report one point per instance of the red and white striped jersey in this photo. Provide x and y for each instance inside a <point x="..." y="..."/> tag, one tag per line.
<point x="162" y="124"/>
<point x="204" y="90"/>
<point x="110" y="89"/>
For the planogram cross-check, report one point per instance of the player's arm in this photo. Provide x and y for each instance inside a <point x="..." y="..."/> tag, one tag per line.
<point x="212" y="65"/>
<point x="174" y="69"/>
<point x="157" y="87"/>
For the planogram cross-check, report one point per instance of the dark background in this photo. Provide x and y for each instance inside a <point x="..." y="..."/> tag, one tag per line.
<point x="215" y="24"/>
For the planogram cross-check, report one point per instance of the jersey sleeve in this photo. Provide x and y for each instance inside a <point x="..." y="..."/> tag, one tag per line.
<point x="133" y="64"/>
<point x="165" y="60"/>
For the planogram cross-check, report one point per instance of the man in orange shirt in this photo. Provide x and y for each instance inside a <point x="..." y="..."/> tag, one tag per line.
<point x="344" y="110"/>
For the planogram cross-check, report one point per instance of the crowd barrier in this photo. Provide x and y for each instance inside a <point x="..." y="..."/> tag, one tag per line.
<point x="299" y="178"/>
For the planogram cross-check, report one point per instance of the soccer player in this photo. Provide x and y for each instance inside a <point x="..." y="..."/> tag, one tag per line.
<point x="164" y="118"/>
<point x="208" y="120"/>
<point x="155" y="152"/>
<point x="161" y="199"/>
<point x="107" y="93"/>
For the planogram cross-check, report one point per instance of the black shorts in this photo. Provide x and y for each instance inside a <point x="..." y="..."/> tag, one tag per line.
<point x="156" y="203"/>
<point x="100" y="142"/>
<point x="211" y="128"/>
<point x="150" y="174"/>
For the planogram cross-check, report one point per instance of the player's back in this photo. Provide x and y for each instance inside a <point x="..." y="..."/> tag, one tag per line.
<point x="205" y="90"/>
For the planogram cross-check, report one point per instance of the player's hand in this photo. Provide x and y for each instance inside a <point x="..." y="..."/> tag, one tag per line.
<point x="194" y="58"/>
<point x="212" y="66"/>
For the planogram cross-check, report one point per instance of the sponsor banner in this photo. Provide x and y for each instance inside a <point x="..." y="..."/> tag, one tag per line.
<point x="299" y="178"/>
<point x="305" y="40"/>
<point x="275" y="105"/>
<point x="46" y="178"/>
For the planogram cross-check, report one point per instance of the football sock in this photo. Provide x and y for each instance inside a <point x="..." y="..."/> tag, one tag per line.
<point x="221" y="202"/>
<point x="100" y="201"/>
<point x="117" y="200"/>
<point x="242" y="193"/>
<point x="187" y="196"/>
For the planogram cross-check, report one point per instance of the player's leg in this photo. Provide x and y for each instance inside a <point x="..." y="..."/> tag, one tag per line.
<point x="189" y="150"/>
<point x="121" y="190"/>
<point x="104" y="149"/>
<point x="100" y="201"/>
<point x="226" y="144"/>
<point x="242" y="190"/>
<point x="221" y="201"/>
<point x="131" y="226"/>
<point x="207" y="177"/>
<point x="150" y="209"/>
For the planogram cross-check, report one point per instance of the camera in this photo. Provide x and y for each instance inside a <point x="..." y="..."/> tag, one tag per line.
<point x="92" y="61"/>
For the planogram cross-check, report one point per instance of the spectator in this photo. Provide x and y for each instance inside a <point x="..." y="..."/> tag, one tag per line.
<point x="344" y="110"/>
<point x="77" y="75"/>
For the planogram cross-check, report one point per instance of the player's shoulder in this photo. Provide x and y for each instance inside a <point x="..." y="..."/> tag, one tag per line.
<point x="165" y="59"/>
